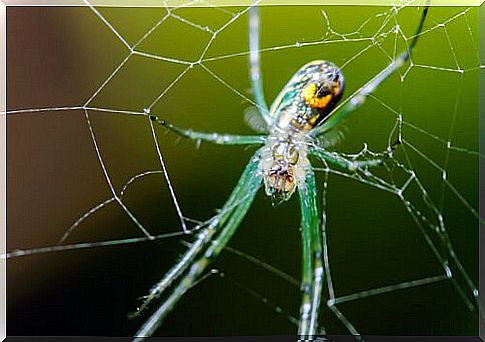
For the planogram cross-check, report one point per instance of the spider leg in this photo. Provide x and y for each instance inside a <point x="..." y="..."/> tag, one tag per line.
<point x="216" y="138"/>
<point x="202" y="238"/>
<point x="313" y="270"/>
<point x="342" y="162"/>
<point x="358" y="99"/>
<point x="232" y="214"/>
<point x="255" y="65"/>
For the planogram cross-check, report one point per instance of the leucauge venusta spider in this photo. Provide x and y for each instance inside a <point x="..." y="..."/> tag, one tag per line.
<point x="301" y="116"/>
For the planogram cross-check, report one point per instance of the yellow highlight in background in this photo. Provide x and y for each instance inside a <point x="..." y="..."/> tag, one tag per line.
<point x="219" y="3"/>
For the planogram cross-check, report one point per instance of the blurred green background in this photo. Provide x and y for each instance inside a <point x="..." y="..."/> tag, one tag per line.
<point x="60" y="56"/>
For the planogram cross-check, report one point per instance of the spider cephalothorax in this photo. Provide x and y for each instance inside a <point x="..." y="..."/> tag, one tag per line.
<point x="282" y="163"/>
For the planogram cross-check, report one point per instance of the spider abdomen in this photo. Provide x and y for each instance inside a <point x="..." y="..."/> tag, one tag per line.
<point x="308" y="97"/>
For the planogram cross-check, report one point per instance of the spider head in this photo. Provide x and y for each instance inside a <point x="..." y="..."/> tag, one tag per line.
<point x="280" y="166"/>
<point x="279" y="182"/>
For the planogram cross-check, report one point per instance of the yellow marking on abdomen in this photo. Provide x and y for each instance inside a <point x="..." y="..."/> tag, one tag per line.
<point x="309" y="94"/>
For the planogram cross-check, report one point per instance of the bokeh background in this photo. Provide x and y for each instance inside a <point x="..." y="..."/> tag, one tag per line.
<point x="59" y="56"/>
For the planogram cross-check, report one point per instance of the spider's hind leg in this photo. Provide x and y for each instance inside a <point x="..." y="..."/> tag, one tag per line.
<point x="357" y="99"/>
<point x="255" y="73"/>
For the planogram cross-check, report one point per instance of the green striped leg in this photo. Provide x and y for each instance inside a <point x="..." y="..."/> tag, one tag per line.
<point x="201" y="240"/>
<point x="233" y="213"/>
<point x="313" y="271"/>
<point x="215" y="138"/>
<point x="344" y="163"/>
<point x="358" y="99"/>
<point x="255" y="74"/>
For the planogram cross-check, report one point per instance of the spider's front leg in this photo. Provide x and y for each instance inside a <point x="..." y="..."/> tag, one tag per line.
<point x="208" y="245"/>
<point x="313" y="271"/>
<point x="215" y="138"/>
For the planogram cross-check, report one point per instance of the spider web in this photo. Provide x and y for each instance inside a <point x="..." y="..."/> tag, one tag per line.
<point x="99" y="197"/>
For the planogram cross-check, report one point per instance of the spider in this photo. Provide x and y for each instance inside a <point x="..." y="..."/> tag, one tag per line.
<point x="296" y="127"/>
